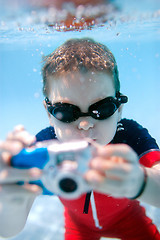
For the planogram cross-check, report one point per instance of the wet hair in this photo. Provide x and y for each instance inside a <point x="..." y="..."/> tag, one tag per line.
<point x="81" y="55"/>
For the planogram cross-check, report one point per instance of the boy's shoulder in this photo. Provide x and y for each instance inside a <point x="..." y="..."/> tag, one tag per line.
<point x="46" y="134"/>
<point x="129" y="126"/>
<point x="135" y="135"/>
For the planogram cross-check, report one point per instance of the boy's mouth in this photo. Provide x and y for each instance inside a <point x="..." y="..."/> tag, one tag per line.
<point x="92" y="138"/>
<point x="88" y="134"/>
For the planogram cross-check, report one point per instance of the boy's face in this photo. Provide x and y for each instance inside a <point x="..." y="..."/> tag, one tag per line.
<point x="82" y="90"/>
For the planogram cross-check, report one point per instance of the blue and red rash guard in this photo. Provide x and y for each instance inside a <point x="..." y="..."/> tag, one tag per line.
<point x="96" y="215"/>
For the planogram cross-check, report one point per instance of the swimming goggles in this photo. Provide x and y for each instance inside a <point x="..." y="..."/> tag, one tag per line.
<point x="103" y="109"/>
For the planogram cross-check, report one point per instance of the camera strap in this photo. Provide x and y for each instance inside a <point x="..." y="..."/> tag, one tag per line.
<point x="86" y="204"/>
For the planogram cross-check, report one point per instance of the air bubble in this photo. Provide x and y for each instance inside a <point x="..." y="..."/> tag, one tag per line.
<point x="36" y="95"/>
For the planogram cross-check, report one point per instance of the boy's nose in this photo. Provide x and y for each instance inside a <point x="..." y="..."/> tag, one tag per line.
<point x="85" y="124"/>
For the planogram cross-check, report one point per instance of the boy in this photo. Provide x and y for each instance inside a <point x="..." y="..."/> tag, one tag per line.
<point x="83" y="99"/>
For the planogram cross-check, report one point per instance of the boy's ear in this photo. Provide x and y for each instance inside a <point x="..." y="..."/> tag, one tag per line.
<point x="120" y="112"/>
<point x="45" y="106"/>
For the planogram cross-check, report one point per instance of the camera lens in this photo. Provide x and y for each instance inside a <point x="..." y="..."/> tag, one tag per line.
<point x="68" y="185"/>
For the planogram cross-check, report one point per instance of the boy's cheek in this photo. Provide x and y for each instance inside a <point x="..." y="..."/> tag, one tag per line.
<point x="106" y="132"/>
<point x="64" y="132"/>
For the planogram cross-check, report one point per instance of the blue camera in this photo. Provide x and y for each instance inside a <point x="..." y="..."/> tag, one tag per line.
<point x="62" y="164"/>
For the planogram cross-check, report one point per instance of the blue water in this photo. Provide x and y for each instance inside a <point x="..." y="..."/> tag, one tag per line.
<point x="133" y="35"/>
<point x="138" y="58"/>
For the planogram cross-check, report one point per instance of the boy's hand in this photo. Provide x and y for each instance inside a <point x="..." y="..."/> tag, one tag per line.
<point x="15" y="200"/>
<point x="115" y="171"/>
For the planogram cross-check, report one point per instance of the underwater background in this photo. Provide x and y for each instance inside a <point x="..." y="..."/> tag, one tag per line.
<point x="132" y="33"/>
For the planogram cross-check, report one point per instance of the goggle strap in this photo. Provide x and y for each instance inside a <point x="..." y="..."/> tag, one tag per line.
<point x="47" y="101"/>
<point x="121" y="98"/>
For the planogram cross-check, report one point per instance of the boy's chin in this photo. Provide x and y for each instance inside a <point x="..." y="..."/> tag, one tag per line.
<point x="77" y="139"/>
<point x="80" y="138"/>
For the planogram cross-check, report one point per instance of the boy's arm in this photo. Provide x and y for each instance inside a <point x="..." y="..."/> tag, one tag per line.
<point x="15" y="200"/>
<point x="149" y="156"/>
<point x="151" y="194"/>
<point x="116" y="171"/>
<point x="151" y="161"/>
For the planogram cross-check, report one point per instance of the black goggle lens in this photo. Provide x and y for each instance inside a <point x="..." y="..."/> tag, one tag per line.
<point x="100" y="110"/>
<point x="66" y="112"/>
<point x="104" y="111"/>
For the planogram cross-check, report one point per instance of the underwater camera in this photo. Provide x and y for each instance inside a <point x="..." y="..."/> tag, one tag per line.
<point x="62" y="164"/>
